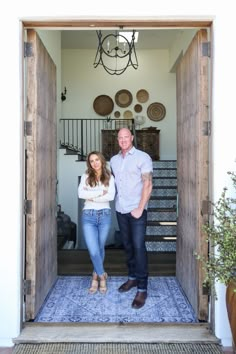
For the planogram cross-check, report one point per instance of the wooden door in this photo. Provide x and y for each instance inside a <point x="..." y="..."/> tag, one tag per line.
<point x="192" y="169"/>
<point x="41" y="240"/>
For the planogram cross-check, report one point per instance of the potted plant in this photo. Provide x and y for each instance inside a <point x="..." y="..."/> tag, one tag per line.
<point x="221" y="262"/>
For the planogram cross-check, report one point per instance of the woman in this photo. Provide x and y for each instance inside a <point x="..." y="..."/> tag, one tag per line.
<point x="97" y="187"/>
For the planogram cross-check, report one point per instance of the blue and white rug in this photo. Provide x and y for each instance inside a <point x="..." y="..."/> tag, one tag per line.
<point x="69" y="301"/>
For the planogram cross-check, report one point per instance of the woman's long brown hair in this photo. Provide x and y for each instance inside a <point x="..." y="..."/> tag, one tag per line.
<point x="105" y="175"/>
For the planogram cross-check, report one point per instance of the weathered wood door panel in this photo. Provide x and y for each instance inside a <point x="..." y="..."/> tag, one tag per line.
<point x="41" y="239"/>
<point x="192" y="166"/>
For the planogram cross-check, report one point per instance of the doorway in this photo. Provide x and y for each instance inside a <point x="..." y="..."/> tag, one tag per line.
<point x="183" y="264"/>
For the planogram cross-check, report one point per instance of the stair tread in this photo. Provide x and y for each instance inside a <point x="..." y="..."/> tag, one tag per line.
<point x="161" y="177"/>
<point x="71" y="262"/>
<point x="164" y="168"/>
<point x="155" y="236"/>
<point x="161" y="223"/>
<point x="163" y="198"/>
<point x="159" y="239"/>
<point x="164" y="187"/>
<point x="162" y="209"/>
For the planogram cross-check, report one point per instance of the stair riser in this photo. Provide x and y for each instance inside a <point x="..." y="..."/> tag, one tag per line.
<point x="162" y="203"/>
<point x="164" y="164"/>
<point x="166" y="182"/>
<point x="164" y="192"/>
<point x="161" y="246"/>
<point x="164" y="173"/>
<point x="161" y="230"/>
<point x="161" y="216"/>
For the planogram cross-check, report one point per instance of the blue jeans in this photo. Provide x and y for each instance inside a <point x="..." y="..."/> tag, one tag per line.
<point x="96" y="225"/>
<point x="133" y="233"/>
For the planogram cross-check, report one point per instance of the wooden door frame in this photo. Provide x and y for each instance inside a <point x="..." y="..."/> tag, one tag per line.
<point x="60" y="24"/>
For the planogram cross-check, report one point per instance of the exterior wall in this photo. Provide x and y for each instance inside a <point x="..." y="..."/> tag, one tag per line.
<point x="222" y="156"/>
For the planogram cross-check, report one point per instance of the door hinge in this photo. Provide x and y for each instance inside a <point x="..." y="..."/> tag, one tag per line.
<point x="26" y="287"/>
<point x="206" y="49"/>
<point x="27" y="206"/>
<point x="28" y="128"/>
<point x="206" y="207"/>
<point x="206" y="128"/>
<point x="28" y="49"/>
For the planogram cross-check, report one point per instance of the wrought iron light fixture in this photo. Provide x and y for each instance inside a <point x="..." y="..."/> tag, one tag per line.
<point x="116" y="52"/>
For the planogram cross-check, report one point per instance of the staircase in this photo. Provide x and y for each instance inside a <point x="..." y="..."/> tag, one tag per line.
<point x="161" y="229"/>
<point x="162" y="219"/>
<point x="160" y="235"/>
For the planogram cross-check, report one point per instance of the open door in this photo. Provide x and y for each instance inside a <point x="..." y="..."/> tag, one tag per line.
<point x="192" y="169"/>
<point x="41" y="239"/>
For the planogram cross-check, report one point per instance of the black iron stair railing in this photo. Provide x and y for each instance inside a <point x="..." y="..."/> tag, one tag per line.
<point x="80" y="136"/>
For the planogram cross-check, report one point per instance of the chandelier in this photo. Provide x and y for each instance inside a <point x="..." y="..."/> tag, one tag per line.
<point x="116" y="52"/>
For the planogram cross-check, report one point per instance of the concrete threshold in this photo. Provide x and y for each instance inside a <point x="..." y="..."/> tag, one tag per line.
<point x="116" y="333"/>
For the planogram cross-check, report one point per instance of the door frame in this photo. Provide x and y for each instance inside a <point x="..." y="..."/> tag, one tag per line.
<point x="84" y="24"/>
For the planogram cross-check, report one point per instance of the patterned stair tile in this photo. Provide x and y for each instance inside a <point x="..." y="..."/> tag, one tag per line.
<point x="161" y="230"/>
<point x="164" y="192"/>
<point x="167" y="182"/>
<point x="165" y="164"/>
<point x="159" y="203"/>
<point x="164" y="172"/>
<point x="169" y="246"/>
<point x="161" y="216"/>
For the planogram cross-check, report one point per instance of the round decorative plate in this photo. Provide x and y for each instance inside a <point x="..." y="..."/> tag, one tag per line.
<point x="138" y="108"/>
<point x="123" y="98"/>
<point x="103" y="105"/>
<point x="156" y="111"/>
<point x="142" y="96"/>
<point x="128" y="114"/>
<point x="117" y="114"/>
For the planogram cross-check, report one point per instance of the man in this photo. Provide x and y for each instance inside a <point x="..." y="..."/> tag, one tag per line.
<point x="132" y="169"/>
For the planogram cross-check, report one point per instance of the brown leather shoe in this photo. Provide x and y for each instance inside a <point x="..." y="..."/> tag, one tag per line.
<point x="139" y="300"/>
<point x="129" y="284"/>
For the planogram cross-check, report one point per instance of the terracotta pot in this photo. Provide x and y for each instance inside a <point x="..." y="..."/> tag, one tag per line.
<point x="231" y="308"/>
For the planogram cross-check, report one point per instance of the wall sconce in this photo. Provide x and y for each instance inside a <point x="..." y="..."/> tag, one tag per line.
<point x="63" y="95"/>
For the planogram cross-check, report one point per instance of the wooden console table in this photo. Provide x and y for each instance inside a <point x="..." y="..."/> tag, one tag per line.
<point x="147" y="140"/>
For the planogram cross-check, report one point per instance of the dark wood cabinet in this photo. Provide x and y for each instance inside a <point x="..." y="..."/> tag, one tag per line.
<point x="147" y="140"/>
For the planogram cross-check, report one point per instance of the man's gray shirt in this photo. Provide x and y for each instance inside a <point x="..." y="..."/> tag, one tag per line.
<point x="128" y="172"/>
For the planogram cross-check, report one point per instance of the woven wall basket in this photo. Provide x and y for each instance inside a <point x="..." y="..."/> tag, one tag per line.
<point x="103" y="105"/>
<point x="156" y="111"/>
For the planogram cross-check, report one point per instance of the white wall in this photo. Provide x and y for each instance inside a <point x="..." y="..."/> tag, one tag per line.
<point x="11" y="180"/>
<point x="84" y="84"/>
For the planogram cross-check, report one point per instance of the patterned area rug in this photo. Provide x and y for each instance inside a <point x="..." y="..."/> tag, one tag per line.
<point x="69" y="301"/>
<point x="111" y="348"/>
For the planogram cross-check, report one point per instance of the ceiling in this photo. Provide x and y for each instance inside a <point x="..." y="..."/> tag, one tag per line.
<point x="148" y="38"/>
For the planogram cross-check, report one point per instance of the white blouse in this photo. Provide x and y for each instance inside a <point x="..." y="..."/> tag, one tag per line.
<point x="94" y="198"/>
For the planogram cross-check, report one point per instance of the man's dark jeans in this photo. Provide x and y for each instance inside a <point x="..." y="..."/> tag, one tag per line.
<point x="133" y="237"/>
